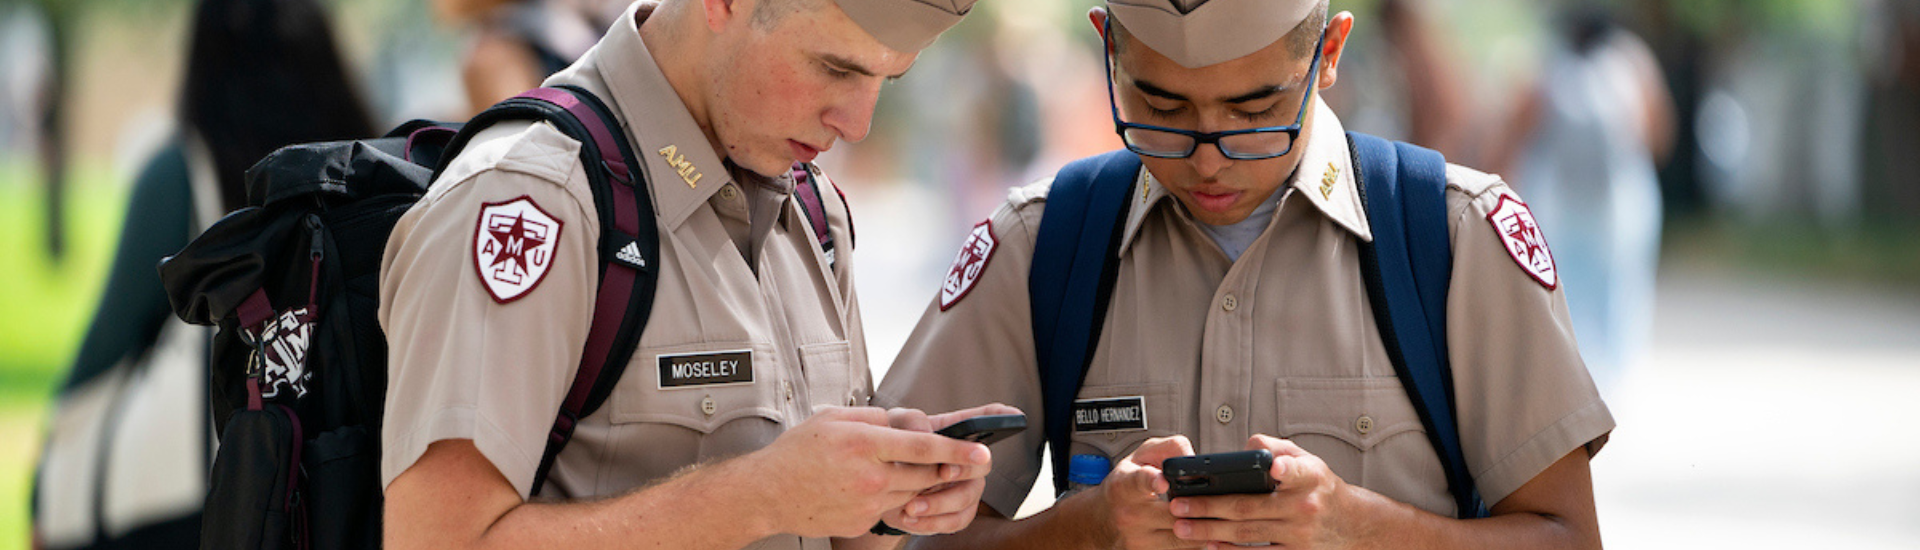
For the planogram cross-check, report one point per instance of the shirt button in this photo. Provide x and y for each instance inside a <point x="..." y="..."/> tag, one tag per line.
<point x="1364" y="424"/>
<point x="727" y="192"/>
<point x="1224" y="414"/>
<point x="1229" y="303"/>
<point x="787" y="387"/>
<point x="707" y="406"/>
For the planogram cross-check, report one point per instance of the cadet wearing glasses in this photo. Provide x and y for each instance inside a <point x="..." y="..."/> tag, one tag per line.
<point x="1239" y="319"/>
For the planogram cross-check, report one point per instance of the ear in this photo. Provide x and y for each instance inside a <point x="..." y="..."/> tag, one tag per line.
<point x="720" y="13"/>
<point x="1338" y="27"/>
<point x="1098" y="16"/>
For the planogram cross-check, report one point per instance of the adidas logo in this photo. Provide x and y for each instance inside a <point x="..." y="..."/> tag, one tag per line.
<point x="630" y="255"/>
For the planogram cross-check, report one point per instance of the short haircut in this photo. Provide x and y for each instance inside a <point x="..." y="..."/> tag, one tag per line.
<point x="768" y="13"/>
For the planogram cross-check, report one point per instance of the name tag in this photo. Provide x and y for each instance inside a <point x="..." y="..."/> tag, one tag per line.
<point x="1114" y="414"/>
<point x="706" y="369"/>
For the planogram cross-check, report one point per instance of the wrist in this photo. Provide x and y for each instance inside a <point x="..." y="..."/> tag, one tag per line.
<point x="1091" y="509"/>
<point x="742" y="484"/>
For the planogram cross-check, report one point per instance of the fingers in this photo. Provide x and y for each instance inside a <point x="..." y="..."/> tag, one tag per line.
<point x="909" y="419"/>
<point x="944" y="510"/>
<point x="1131" y="482"/>
<point x="1236" y="532"/>
<point x="927" y="448"/>
<point x="864" y="415"/>
<point x="1159" y="449"/>
<point x="948" y="419"/>
<point x="1162" y="539"/>
<point x="1293" y="467"/>
<point x="1228" y="507"/>
<point x="962" y="472"/>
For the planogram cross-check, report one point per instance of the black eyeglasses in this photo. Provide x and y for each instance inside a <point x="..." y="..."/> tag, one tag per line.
<point x="1175" y="143"/>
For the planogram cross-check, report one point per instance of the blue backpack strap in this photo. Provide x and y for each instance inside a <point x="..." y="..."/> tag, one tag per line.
<point x="1407" y="269"/>
<point x="1071" y="281"/>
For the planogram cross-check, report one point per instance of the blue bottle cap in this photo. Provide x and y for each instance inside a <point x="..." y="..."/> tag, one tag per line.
<point x="1088" y="469"/>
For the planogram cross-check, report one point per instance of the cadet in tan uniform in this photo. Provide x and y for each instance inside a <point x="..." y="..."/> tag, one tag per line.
<point x="1239" y="320"/>
<point x="761" y="439"/>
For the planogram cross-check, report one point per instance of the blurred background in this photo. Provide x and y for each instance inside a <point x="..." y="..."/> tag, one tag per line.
<point x="1729" y="187"/>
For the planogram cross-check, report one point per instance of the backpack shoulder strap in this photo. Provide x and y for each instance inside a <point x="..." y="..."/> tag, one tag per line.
<point x="1071" y="281"/>
<point x="806" y="189"/>
<point x="1407" y="269"/>
<point x="629" y="244"/>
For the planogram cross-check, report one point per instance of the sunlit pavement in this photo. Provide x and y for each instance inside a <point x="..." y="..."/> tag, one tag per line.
<point x="1771" y="413"/>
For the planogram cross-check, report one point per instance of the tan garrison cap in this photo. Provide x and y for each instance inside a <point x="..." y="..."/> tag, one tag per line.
<point x="1198" y="33"/>
<point x="905" y="25"/>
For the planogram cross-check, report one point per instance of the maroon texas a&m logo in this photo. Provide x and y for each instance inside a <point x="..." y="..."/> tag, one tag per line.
<point x="968" y="265"/>
<point x="1521" y="234"/>
<point x="513" y="247"/>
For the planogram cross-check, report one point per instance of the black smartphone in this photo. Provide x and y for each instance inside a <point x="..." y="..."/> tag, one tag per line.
<point x="1238" y="472"/>
<point x="986" y="429"/>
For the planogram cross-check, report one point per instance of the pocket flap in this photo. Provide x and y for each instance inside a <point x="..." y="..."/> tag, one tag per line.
<point x="1360" y="411"/>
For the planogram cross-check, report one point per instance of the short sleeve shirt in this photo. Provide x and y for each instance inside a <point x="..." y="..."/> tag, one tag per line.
<point x="1281" y="342"/>
<point x="488" y="284"/>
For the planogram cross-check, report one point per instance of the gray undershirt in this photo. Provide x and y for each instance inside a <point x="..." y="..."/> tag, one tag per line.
<point x="1234" y="239"/>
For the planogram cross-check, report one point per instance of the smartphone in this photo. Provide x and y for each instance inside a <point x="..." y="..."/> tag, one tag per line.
<point x="1238" y="472"/>
<point x="986" y="429"/>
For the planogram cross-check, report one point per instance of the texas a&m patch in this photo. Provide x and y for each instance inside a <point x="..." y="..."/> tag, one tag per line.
<point x="1521" y="234"/>
<point x="513" y="246"/>
<point x="968" y="265"/>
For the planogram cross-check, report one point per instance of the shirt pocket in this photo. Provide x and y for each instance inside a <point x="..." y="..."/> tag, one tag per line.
<point x="831" y="379"/>
<point x="1367" y="432"/>
<point x="645" y="396"/>
<point x="1161" y="416"/>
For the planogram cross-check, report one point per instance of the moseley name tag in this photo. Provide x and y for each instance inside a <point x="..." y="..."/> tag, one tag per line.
<point x="1113" y="414"/>
<point x="706" y="369"/>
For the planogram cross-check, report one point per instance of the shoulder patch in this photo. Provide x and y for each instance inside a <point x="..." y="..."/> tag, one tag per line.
<point x="1518" y="231"/>
<point x="513" y="247"/>
<point x="968" y="265"/>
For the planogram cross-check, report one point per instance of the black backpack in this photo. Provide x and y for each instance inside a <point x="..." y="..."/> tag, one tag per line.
<point x="299" y="373"/>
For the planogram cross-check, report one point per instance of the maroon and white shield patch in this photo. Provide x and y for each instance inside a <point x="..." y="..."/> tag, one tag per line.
<point x="1521" y="234"/>
<point x="968" y="265"/>
<point x="513" y="246"/>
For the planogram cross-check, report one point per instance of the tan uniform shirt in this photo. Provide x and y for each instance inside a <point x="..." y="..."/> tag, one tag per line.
<point x="1281" y="342"/>
<point x="728" y="359"/>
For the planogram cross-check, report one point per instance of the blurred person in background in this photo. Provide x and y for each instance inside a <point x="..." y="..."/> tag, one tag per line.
<point x="128" y="446"/>
<point x="1583" y="142"/>
<point x="1406" y="81"/>
<point x="518" y="43"/>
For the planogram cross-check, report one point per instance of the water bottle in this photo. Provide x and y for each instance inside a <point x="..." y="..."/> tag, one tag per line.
<point x="1086" y="471"/>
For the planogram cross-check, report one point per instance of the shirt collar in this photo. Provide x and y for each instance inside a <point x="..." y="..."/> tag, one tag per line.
<point x="1324" y="178"/>
<point x="679" y="163"/>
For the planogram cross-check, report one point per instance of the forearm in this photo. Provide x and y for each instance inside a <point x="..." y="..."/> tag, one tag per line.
<point x="710" y="507"/>
<point x="1397" y="525"/>
<point x="713" y="507"/>
<point x="1078" y="521"/>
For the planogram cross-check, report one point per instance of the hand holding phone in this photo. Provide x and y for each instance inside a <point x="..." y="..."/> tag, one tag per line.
<point x="1238" y="472"/>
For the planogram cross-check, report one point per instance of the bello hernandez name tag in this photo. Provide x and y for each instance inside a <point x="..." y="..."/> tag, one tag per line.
<point x="1113" y="414"/>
